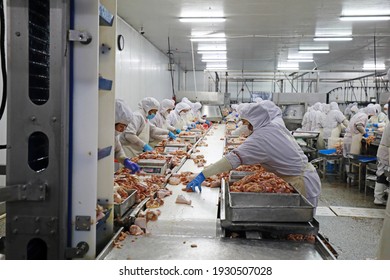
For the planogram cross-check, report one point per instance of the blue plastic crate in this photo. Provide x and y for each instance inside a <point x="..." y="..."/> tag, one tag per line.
<point x="327" y="152"/>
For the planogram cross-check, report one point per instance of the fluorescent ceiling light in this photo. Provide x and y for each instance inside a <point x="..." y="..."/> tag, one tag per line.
<point x="378" y="66"/>
<point x="202" y="19"/>
<point x="300" y="60"/>
<point x="214" y="60"/>
<point x="313" y="51"/>
<point x="364" y="17"/>
<point x="288" y="68"/>
<point x="214" y="56"/>
<point x="211" y="52"/>
<point x="212" y="47"/>
<point x="217" y="39"/>
<point x="333" y="38"/>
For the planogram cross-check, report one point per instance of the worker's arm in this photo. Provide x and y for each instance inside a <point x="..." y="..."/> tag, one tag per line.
<point x="345" y="122"/>
<point x="119" y="155"/>
<point x="223" y="165"/>
<point x="155" y="132"/>
<point x="360" y="127"/>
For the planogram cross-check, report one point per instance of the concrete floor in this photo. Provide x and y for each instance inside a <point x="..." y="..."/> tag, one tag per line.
<point x="352" y="237"/>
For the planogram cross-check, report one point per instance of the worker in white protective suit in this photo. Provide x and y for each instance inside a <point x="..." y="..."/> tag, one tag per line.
<point x="381" y="184"/>
<point x="315" y="117"/>
<point x="356" y="130"/>
<point x="306" y="124"/>
<point x="272" y="146"/>
<point x="354" y="110"/>
<point x="178" y="116"/>
<point x="241" y="129"/>
<point x="190" y="115"/>
<point x="333" y="122"/>
<point x="275" y="113"/>
<point x="123" y="116"/>
<point x="380" y="120"/>
<point x="258" y="100"/>
<point x="325" y="108"/>
<point x="161" y="118"/>
<point x="348" y="112"/>
<point x="140" y="132"/>
<point x="198" y="118"/>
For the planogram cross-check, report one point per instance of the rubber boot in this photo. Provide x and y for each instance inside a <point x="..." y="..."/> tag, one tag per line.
<point x="379" y="193"/>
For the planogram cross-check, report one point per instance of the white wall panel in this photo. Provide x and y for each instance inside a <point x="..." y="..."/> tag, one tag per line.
<point x="142" y="69"/>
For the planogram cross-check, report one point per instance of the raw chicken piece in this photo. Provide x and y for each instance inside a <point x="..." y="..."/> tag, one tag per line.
<point x="163" y="193"/>
<point x="136" y="230"/>
<point x="182" y="200"/>
<point x="174" y="181"/>
<point x="141" y="222"/>
<point x="152" y="215"/>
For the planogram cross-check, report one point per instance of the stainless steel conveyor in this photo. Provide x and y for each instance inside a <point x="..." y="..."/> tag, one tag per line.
<point x="194" y="231"/>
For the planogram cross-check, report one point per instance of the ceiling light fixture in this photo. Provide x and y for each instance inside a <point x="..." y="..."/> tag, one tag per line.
<point x="333" y="38"/>
<point x="202" y="19"/>
<point x="211" y="52"/>
<point x="217" y="39"/>
<point x="364" y="17"/>
<point x="373" y="67"/>
<point x="314" y="51"/>
<point x="214" y="60"/>
<point x="292" y="68"/>
<point x="300" y="60"/>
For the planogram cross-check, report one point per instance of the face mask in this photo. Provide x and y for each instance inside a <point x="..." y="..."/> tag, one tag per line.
<point x="183" y="114"/>
<point x="117" y="133"/>
<point x="149" y="117"/>
<point x="385" y="112"/>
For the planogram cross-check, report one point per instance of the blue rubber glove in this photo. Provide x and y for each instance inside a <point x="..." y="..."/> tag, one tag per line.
<point x="147" y="148"/>
<point x="132" y="166"/>
<point x="237" y="115"/>
<point x="207" y="122"/>
<point x="198" y="122"/>
<point x="197" y="182"/>
<point x="375" y="125"/>
<point x="193" y="125"/>
<point x="178" y="131"/>
<point x="365" y="135"/>
<point x="171" y="135"/>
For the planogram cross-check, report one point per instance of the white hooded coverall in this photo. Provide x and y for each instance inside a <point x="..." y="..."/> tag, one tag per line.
<point x="383" y="163"/>
<point x="333" y="121"/>
<point x="160" y="120"/>
<point x="272" y="146"/>
<point x="140" y="132"/>
<point x="354" y="133"/>
<point x="123" y="115"/>
<point x="178" y="118"/>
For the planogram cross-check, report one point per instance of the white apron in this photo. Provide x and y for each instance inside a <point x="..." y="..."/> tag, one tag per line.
<point x="356" y="144"/>
<point x="131" y="150"/>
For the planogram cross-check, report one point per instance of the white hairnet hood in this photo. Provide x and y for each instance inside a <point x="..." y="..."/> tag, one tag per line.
<point x="370" y="110"/>
<point x="196" y="106"/>
<point x="147" y="104"/>
<point x="334" y="106"/>
<point x="123" y="113"/>
<point x="257" y="99"/>
<point x="378" y="108"/>
<point x="256" y="114"/>
<point x="354" y="109"/>
<point x="182" y="106"/>
<point x="234" y="107"/>
<point x="165" y="105"/>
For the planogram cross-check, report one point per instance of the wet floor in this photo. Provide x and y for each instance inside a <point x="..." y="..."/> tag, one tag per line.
<point x="354" y="238"/>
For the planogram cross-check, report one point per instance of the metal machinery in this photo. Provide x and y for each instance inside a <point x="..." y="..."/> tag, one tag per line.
<point x="60" y="69"/>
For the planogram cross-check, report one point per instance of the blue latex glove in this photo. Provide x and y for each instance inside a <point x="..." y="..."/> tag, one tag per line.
<point x="375" y="125"/>
<point x="197" y="182"/>
<point x="171" y="135"/>
<point x="365" y="135"/>
<point x="198" y="122"/>
<point x="207" y="122"/>
<point x="131" y="165"/>
<point x="237" y="115"/>
<point x="147" y="148"/>
<point x="178" y="131"/>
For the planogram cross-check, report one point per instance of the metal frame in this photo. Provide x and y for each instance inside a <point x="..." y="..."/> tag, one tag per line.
<point x="37" y="229"/>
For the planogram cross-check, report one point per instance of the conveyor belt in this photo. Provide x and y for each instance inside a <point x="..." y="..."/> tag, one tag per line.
<point x="180" y="226"/>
